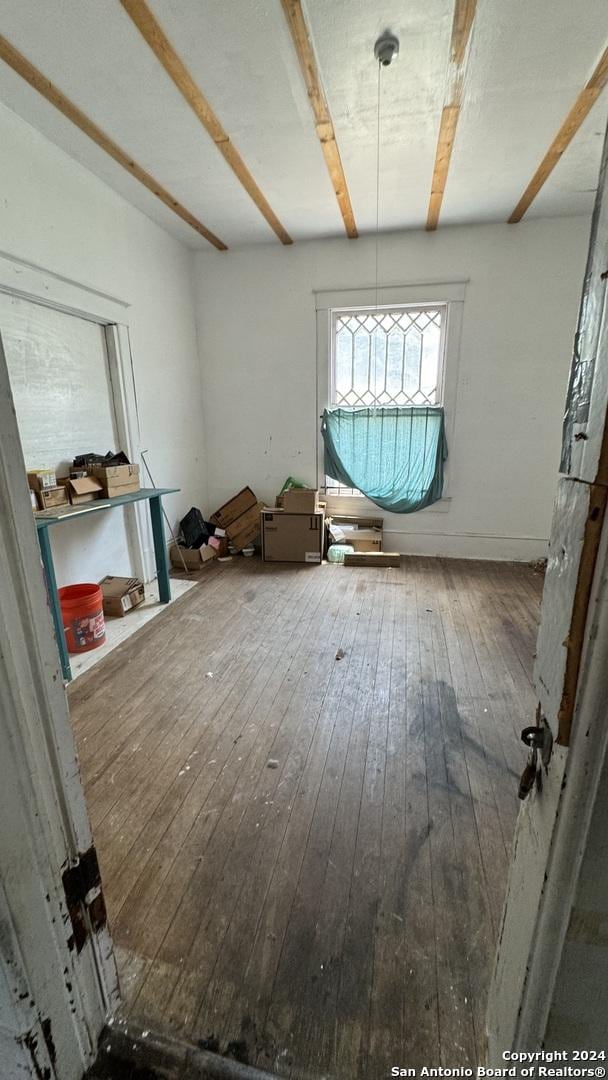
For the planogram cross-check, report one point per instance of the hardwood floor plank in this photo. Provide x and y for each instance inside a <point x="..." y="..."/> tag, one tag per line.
<point x="272" y="883"/>
<point x="318" y="1021"/>
<point x="421" y="1029"/>
<point x="446" y="799"/>
<point x="364" y="916"/>
<point x="297" y="977"/>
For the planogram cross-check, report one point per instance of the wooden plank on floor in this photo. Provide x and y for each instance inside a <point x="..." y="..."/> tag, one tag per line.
<point x="296" y="981"/>
<point x="273" y="878"/>
<point x="454" y="988"/>
<point x="318" y="1019"/>
<point x="420" y="972"/>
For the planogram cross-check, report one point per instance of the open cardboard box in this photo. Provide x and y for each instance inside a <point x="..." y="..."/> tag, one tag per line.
<point x="83" y="489"/>
<point x="240" y="518"/>
<point x="121" y="595"/>
<point x="193" y="558"/>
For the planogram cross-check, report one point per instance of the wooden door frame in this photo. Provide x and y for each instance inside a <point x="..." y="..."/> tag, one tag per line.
<point x="571" y="677"/>
<point x="522" y="993"/>
<point x="55" y="994"/>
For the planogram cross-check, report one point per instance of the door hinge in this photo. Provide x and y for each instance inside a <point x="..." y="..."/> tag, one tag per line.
<point x="84" y="898"/>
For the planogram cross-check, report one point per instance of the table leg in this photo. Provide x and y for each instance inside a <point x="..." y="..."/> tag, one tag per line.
<point x="160" y="549"/>
<point x="51" y="587"/>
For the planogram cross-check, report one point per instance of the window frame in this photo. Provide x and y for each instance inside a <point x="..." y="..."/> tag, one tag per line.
<point x="448" y="295"/>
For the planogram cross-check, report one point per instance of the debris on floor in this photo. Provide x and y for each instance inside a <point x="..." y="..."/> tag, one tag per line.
<point x="239" y="518"/>
<point x="238" y="1051"/>
<point x="210" y="1043"/>
<point x="229" y="531"/>
<point x="340" y="654"/>
<point x="272" y="763"/>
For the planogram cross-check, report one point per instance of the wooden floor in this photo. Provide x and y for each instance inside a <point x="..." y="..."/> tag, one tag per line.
<point x="336" y="913"/>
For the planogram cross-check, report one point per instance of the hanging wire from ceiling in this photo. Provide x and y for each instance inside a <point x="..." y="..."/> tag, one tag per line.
<point x="386" y="49"/>
<point x="378" y="174"/>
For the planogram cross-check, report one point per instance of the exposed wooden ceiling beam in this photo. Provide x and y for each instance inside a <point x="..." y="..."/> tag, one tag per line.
<point x="39" y="82"/>
<point x="162" y="48"/>
<point x="579" y="111"/>
<point x="462" y="25"/>
<point x="323" y="122"/>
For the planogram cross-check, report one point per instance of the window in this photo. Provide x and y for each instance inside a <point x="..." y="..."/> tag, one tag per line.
<point x="385" y="358"/>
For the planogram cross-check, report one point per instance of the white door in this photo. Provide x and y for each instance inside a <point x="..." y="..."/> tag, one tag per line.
<point x="57" y="973"/>
<point x="571" y="663"/>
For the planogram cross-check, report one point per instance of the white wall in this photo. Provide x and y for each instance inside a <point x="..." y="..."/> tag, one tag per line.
<point x="59" y="217"/>
<point x="256" y="317"/>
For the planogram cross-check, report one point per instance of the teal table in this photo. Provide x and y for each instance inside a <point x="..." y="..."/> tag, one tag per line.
<point x="46" y="519"/>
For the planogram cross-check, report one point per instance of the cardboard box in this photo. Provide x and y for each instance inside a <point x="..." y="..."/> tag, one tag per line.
<point x="301" y="501"/>
<point x="358" y="521"/>
<point x="364" y="539"/>
<point x="219" y="544"/>
<point x="362" y="533"/>
<point x="373" y="558"/>
<point x="117" y="479"/>
<point x="240" y="518"/>
<point x="52" y="496"/>
<point x="292" y="537"/>
<point x="121" y="594"/>
<point x="82" y="490"/>
<point x="194" y="558"/>
<point x="39" y="479"/>
<point x="279" y="502"/>
<point x="245" y="529"/>
<point x="234" y="508"/>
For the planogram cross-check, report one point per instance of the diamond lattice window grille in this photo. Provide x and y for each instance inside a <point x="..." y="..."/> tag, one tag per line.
<point x="385" y="358"/>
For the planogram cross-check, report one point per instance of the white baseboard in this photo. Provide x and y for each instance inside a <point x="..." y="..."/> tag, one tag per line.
<point x="467" y="545"/>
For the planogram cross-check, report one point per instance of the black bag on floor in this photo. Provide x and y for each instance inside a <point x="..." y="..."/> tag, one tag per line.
<point x="194" y="529"/>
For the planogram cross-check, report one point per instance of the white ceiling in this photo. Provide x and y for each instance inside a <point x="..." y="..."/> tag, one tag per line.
<point x="529" y="59"/>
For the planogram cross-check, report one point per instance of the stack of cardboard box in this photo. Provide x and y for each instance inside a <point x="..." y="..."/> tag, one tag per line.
<point x="232" y="528"/>
<point x="116" y="479"/>
<point x="240" y="519"/>
<point x="43" y="482"/>
<point x="365" y="535"/>
<point x="294" y="531"/>
<point x="82" y="485"/>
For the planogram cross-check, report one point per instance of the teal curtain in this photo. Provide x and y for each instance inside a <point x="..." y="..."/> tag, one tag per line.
<point x="394" y="455"/>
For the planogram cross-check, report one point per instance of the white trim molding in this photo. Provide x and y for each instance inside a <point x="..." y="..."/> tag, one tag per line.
<point x="32" y="282"/>
<point x="420" y="292"/>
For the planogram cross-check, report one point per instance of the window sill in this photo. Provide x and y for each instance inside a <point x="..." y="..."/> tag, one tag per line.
<point x="352" y="504"/>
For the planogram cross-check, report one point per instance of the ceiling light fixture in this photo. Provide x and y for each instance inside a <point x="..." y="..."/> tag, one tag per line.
<point x="386" y="48"/>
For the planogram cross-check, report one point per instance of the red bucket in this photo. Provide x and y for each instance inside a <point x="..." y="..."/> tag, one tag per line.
<point x="83" y="621"/>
